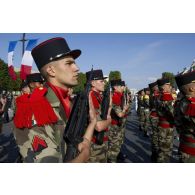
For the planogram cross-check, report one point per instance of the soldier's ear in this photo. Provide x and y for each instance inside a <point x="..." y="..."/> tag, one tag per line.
<point x="50" y="69"/>
<point x="93" y="83"/>
<point x="192" y="89"/>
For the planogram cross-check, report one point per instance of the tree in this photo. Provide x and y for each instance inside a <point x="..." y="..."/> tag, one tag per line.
<point x="171" y="77"/>
<point x="6" y="83"/>
<point x="81" y="83"/>
<point x="114" y="75"/>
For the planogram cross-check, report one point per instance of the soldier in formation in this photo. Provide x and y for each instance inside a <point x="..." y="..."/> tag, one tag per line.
<point x="154" y="119"/>
<point x="185" y="116"/>
<point x="99" y="145"/>
<point x="47" y="109"/>
<point x="116" y="128"/>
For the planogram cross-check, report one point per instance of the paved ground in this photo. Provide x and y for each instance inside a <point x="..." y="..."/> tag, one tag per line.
<point x="8" y="148"/>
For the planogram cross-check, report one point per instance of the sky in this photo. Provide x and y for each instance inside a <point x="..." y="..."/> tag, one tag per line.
<point x="140" y="57"/>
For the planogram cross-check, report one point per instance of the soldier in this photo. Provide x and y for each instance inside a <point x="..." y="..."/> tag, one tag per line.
<point x="117" y="113"/>
<point x="185" y="116"/>
<point x="141" y="109"/>
<point x="154" y="119"/>
<point x="34" y="80"/>
<point x="174" y="94"/>
<point x="129" y="100"/>
<point x="98" y="151"/>
<point x="146" y="104"/>
<point x="166" y="121"/>
<point x="125" y="102"/>
<point x="41" y="139"/>
<point x="24" y="88"/>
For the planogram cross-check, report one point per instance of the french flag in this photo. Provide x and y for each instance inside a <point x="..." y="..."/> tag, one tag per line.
<point x="27" y="59"/>
<point x="12" y="45"/>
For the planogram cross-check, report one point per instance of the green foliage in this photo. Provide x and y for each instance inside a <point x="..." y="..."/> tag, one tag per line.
<point x="114" y="75"/>
<point x="171" y="77"/>
<point x="6" y="83"/>
<point x="81" y="83"/>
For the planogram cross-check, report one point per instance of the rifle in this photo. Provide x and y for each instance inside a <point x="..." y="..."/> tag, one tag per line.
<point x="104" y="111"/>
<point x="76" y="125"/>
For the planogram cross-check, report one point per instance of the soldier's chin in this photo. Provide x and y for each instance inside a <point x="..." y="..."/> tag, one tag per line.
<point x="73" y="84"/>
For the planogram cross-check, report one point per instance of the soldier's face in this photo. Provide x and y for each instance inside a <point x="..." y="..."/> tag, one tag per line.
<point x="118" y="89"/>
<point x="142" y="93"/>
<point x="34" y="85"/>
<point x="66" y="72"/>
<point x="26" y="90"/>
<point x="98" y="85"/>
<point x="166" y="88"/>
<point x="155" y="88"/>
<point x="148" y="92"/>
<point x="123" y="88"/>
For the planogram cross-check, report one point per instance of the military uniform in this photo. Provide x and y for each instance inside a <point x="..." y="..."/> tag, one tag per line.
<point x="141" y="111"/>
<point x="166" y="124"/>
<point x="98" y="152"/>
<point x="185" y="120"/>
<point x="154" y="119"/>
<point x="43" y="143"/>
<point x="40" y="135"/>
<point x="146" y="104"/>
<point x="115" y="130"/>
<point x="124" y="119"/>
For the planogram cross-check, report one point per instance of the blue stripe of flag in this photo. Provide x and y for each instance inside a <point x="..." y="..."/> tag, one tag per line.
<point x="12" y="45"/>
<point x="31" y="44"/>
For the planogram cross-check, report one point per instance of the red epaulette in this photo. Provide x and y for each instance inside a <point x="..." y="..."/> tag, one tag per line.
<point x="95" y="101"/>
<point x="35" y="105"/>
<point x="41" y="108"/>
<point x="116" y="98"/>
<point x="167" y="97"/>
<point x="23" y="115"/>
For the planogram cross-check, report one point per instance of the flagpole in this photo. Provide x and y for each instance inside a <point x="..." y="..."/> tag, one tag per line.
<point x="23" y="40"/>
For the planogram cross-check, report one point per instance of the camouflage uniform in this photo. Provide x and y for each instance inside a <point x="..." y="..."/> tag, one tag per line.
<point x="186" y="127"/>
<point x="98" y="152"/>
<point x="165" y="126"/>
<point x="124" y="120"/>
<point x="115" y="130"/>
<point x="146" y="125"/>
<point x="185" y="116"/>
<point x="154" y="119"/>
<point x="141" y="113"/>
<point x="44" y="143"/>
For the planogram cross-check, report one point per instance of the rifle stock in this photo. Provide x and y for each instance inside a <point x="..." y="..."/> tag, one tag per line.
<point x="104" y="113"/>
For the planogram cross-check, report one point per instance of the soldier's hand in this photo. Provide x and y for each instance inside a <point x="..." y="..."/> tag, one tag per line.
<point x="84" y="149"/>
<point x="3" y="101"/>
<point x="92" y="113"/>
<point x="126" y="107"/>
<point x="109" y="118"/>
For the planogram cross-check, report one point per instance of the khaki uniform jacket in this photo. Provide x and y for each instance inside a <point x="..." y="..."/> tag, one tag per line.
<point x="45" y="143"/>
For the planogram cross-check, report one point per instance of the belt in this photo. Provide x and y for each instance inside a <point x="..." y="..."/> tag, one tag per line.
<point x="114" y="122"/>
<point x="165" y="125"/>
<point x="187" y="139"/>
<point x="154" y="114"/>
<point x="187" y="149"/>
